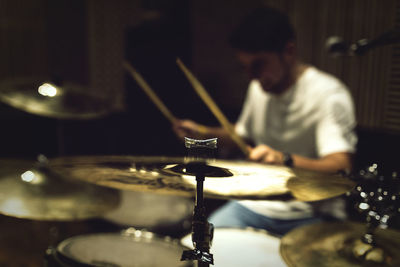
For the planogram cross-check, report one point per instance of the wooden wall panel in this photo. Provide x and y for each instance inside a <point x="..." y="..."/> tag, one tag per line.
<point x="23" y="39"/>
<point x="392" y="97"/>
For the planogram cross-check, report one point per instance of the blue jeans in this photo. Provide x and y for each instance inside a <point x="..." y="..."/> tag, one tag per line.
<point x="236" y="215"/>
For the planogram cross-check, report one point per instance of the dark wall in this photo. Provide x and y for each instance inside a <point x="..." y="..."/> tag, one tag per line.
<point x="152" y="47"/>
<point x="378" y="146"/>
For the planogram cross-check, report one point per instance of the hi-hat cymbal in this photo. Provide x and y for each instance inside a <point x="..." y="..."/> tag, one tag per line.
<point x="227" y="179"/>
<point x="68" y="101"/>
<point x="339" y="244"/>
<point x="31" y="192"/>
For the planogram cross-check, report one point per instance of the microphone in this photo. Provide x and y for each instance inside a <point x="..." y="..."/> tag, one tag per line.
<point x="337" y="47"/>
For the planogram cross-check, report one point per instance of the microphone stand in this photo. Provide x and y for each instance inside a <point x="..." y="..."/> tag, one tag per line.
<point x="337" y="47"/>
<point x="202" y="230"/>
<point x="387" y="38"/>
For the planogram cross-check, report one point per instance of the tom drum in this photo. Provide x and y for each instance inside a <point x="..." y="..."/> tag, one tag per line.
<point x="130" y="248"/>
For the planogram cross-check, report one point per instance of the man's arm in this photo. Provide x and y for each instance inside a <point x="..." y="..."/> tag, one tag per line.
<point x="262" y="153"/>
<point x="330" y="163"/>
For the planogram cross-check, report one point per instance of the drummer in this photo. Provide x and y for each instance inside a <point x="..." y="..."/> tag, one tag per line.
<point x="295" y="115"/>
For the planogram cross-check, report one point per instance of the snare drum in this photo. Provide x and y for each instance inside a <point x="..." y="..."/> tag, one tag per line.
<point x="130" y="248"/>
<point x="152" y="211"/>
<point x="243" y="247"/>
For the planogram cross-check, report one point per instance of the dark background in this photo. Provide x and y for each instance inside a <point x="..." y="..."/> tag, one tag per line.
<point x="152" y="46"/>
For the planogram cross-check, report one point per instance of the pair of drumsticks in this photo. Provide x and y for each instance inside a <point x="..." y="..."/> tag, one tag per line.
<point x="200" y="90"/>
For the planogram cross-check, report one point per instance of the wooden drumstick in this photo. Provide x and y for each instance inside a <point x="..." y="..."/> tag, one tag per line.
<point x="150" y="93"/>
<point x="201" y="91"/>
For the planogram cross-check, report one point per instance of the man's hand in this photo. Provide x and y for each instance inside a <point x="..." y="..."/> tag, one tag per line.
<point x="265" y="154"/>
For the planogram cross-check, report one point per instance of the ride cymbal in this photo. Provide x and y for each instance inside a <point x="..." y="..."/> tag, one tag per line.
<point x="34" y="192"/>
<point x="339" y="244"/>
<point x="226" y="179"/>
<point x="68" y="101"/>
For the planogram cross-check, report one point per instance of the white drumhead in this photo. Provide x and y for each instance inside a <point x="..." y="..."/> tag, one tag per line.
<point x="149" y="210"/>
<point x="109" y="249"/>
<point x="243" y="247"/>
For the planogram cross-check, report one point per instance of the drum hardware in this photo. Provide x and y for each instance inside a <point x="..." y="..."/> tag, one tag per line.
<point x="377" y="198"/>
<point x="202" y="230"/>
<point x="372" y="243"/>
<point x="40" y="96"/>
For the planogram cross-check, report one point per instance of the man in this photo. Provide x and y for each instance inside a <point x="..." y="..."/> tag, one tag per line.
<point x="295" y="114"/>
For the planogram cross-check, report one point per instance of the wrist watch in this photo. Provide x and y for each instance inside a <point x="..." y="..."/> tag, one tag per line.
<point x="287" y="159"/>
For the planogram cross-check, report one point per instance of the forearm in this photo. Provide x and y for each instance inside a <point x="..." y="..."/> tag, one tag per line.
<point x="331" y="163"/>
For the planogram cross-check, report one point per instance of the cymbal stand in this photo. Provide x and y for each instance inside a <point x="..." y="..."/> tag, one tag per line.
<point x="376" y="196"/>
<point x="202" y="230"/>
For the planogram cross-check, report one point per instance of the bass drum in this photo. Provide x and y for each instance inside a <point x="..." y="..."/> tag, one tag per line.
<point x="130" y="248"/>
<point x="154" y="212"/>
<point x="233" y="247"/>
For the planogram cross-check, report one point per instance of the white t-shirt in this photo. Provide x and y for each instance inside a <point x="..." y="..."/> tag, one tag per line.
<point x="313" y="118"/>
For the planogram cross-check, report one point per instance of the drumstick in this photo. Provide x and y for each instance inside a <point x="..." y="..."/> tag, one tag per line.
<point x="201" y="91"/>
<point x="150" y="93"/>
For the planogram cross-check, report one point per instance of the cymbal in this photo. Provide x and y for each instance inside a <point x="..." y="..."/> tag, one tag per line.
<point x="313" y="186"/>
<point x="68" y="101"/>
<point x="32" y="192"/>
<point x="226" y="179"/>
<point x="339" y="244"/>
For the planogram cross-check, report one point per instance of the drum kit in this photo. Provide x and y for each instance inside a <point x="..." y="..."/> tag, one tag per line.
<point x="159" y="191"/>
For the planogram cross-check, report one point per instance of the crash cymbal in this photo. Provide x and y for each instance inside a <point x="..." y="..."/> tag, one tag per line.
<point x="313" y="186"/>
<point x="224" y="178"/>
<point x="31" y="191"/>
<point x="339" y="244"/>
<point x="40" y="97"/>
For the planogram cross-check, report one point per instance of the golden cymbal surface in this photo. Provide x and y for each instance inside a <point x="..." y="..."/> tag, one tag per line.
<point x="36" y="193"/>
<point x="224" y="178"/>
<point x="36" y="96"/>
<point x="313" y="186"/>
<point x="339" y="244"/>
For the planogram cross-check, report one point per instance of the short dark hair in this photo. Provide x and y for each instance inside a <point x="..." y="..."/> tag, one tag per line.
<point x="264" y="29"/>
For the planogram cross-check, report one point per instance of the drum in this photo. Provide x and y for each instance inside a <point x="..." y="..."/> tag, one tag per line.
<point x="152" y="211"/>
<point x="243" y="247"/>
<point x="129" y="248"/>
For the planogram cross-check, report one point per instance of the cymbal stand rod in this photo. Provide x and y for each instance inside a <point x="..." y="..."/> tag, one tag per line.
<point x="202" y="230"/>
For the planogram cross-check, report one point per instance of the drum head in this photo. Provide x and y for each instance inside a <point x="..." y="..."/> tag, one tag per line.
<point x="243" y="247"/>
<point x="136" y="248"/>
